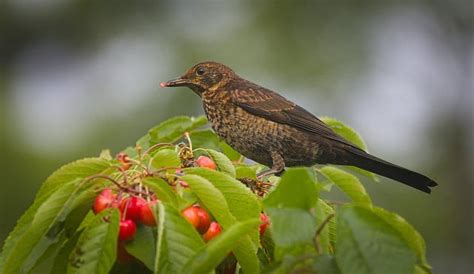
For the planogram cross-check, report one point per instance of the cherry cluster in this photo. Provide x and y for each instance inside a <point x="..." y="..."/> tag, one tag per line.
<point x="133" y="210"/>
<point x="137" y="206"/>
<point x="201" y="220"/>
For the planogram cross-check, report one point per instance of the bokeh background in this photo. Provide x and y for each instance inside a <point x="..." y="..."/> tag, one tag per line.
<point x="80" y="76"/>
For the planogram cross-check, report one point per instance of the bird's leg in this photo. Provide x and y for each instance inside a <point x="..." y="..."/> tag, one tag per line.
<point x="278" y="166"/>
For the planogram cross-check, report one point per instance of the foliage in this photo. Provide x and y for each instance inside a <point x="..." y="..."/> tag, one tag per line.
<point x="60" y="234"/>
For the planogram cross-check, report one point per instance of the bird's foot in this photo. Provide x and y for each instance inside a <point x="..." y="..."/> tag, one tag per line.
<point x="269" y="172"/>
<point x="278" y="166"/>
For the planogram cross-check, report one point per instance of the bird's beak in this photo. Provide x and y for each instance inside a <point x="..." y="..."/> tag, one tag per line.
<point x="174" y="83"/>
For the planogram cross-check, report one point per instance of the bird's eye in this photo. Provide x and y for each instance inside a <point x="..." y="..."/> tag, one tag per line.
<point x="200" y="71"/>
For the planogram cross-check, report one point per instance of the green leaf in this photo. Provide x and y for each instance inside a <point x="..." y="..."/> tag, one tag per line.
<point x="365" y="173"/>
<point x="80" y="207"/>
<point x="246" y="254"/>
<point x="367" y="244"/>
<point x="161" y="263"/>
<point x="229" y="151"/>
<point x="66" y="217"/>
<point x="348" y="183"/>
<point x="132" y="152"/>
<point x="96" y="249"/>
<point x="407" y="232"/>
<point x="22" y="227"/>
<point x="178" y="241"/>
<point x="352" y="136"/>
<point x="142" y="246"/>
<point x="323" y="212"/>
<point x="289" y="206"/>
<point x="326" y="264"/>
<point x="106" y="155"/>
<point x="291" y="227"/>
<point x="244" y="171"/>
<point x="143" y="143"/>
<point x="172" y="129"/>
<point x="421" y="270"/>
<point x="223" y="163"/>
<point x="345" y="131"/>
<point x="211" y="198"/>
<point x="166" y="158"/>
<point x="242" y="203"/>
<point x="214" y="200"/>
<point x="78" y="169"/>
<point x="216" y="250"/>
<point x="205" y="139"/>
<point x="332" y="223"/>
<point x="296" y="189"/>
<point x="163" y="190"/>
<point x="62" y="259"/>
<point x="44" y="230"/>
<point x="45" y="262"/>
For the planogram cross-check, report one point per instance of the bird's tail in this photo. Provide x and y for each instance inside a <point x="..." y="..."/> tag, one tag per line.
<point x="363" y="160"/>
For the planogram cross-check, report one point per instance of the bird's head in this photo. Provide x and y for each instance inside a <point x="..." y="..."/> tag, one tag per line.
<point x="203" y="77"/>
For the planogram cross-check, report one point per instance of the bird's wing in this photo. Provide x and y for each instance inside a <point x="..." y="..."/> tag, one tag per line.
<point x="272" y="106"/>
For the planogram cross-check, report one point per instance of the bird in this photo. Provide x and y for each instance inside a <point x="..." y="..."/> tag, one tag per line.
<point x="269" y="129"/>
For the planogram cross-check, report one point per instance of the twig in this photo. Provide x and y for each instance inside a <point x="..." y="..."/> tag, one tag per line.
<point x="101" y="176"/>
<point x="319" y="230"/>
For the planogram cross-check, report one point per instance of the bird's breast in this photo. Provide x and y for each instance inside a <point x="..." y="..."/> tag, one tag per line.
<point x="255" y="137"/>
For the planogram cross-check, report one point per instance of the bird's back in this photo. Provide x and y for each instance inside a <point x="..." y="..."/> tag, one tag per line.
<point x="252" y="135"/>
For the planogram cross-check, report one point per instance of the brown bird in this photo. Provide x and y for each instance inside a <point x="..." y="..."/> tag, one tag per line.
<point x="271" y="130"/>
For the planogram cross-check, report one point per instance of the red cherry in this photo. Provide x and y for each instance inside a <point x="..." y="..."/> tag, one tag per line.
<point x="104" y="200"/>
<point x="204" y="161"/>
<point x="127" y="230"/>
<point x="146" y="213"/>
<point x="198" y="217"/>
<point x="123" y="256"/>
<point x="131" y="207"/>
<point x="123" y="157"/>
<point x="191" y="216"/>
<point x="204" y="219"/>
<point x="265" y="223"/>
<point x="213" y="231"/>
<point x="124" y="160"/>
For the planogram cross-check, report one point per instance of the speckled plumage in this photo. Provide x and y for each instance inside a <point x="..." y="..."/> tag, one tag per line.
<point x="269" y="129"/>
<point x="256" y="137"/>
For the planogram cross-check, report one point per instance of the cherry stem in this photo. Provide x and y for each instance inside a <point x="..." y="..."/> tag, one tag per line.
<point x="101" y="176"/>
<point x="155" y="146"/>
<point x="124" y="215"/>
<point x="136" y="192"/>
<point x="186" y="134"/>
<point x="147" y="193"/>
<point x="122" y="188"/>
<point x="124" y="173"/>
<point x="156" y="172"/>
<point x="138" y="148"/>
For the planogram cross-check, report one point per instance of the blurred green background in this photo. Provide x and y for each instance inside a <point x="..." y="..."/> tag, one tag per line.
<point x="80" y="76"/>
